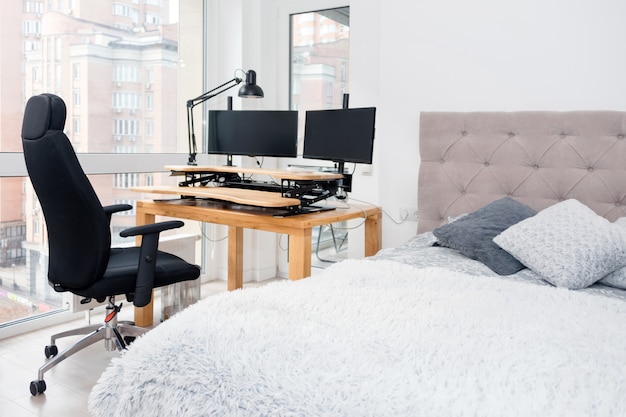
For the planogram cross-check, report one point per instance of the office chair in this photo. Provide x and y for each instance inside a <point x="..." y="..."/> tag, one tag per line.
<point x="81" y="259"/>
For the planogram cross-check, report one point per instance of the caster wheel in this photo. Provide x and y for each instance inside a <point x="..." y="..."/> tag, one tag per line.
<point x="51" y="350"/>
<point x="37" y="387"/>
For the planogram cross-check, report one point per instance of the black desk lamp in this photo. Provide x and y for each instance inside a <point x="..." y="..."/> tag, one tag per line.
<point x="249" y="90"/>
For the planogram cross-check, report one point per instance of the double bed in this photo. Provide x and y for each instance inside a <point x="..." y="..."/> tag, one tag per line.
<point x="448" y="324"/>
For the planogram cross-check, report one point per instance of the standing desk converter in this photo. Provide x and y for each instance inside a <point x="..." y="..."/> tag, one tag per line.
<point x="252" y="209"/>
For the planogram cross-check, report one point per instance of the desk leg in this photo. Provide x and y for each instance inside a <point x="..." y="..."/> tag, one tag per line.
<point x="373" y="234"/>
<point x="144" y="316"/>
<point x="300" y="254"/>
<point x="235" y="258"/>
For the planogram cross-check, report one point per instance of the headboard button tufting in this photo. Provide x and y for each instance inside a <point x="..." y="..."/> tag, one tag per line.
<point x="553" y="156"/>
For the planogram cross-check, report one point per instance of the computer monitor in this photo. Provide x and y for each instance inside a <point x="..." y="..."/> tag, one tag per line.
<point x="253" y="132"/>
<point x="342" y="135"/>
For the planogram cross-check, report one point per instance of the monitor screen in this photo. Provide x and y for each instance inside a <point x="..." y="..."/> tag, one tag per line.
<point x="342" y="135"/>
<point x="253" y="132"/>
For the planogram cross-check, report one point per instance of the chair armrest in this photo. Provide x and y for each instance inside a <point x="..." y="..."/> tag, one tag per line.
<point x="115" y="208"/>
<point x="147" y="257"/>
<point x="151" y="228"/>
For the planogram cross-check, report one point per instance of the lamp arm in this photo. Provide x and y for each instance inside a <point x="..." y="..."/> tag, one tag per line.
<point x="212" y="93"/>
<point x="193" y="149"/>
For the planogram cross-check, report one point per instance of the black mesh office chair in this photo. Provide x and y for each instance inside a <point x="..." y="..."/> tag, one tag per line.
<point x="81" y="259"/>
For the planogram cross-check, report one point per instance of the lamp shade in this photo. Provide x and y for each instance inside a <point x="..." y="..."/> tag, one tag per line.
<point x="250" y="88"/>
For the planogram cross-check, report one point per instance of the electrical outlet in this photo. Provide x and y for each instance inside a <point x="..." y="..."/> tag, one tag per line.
<point x="408" y="213"/>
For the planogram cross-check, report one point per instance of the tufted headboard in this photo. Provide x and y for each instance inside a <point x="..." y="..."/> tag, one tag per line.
<point x="538" y="158"/>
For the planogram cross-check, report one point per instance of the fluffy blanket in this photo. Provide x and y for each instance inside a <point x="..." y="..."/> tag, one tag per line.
<point x="378" y="338"/>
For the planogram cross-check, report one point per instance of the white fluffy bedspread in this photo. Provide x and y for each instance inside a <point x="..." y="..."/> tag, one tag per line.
<point x="378" y="338"/>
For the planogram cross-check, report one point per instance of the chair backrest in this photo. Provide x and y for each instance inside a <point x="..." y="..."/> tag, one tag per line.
<point x="79" y="236"/>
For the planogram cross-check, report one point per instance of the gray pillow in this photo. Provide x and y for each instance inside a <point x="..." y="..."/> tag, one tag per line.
<point x="472" y="234"/>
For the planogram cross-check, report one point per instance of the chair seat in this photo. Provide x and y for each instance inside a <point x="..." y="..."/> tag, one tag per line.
<point x="121" y="273"/>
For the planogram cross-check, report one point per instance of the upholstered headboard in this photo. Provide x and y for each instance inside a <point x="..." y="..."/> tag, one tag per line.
<point x="538" y="158"/>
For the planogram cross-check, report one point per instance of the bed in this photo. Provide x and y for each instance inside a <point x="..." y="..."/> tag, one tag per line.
<point x="509" y="301"/>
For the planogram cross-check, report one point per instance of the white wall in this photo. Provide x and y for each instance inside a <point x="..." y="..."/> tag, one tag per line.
<point x="416" y="55"/>
<point x="483" y="55"/>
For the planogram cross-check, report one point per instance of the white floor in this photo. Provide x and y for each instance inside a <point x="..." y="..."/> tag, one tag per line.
<point x="69" y="383"/>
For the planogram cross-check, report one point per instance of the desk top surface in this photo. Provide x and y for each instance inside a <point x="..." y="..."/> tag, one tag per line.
<point x="277" y="173"/>
<point x="262" y="218"/>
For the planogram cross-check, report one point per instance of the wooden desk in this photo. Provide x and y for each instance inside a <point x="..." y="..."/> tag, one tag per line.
<point x="237" y="218"/>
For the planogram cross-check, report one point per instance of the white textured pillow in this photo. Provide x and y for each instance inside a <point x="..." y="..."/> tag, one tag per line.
<point x="567" y="244"/>
<point x="617" y="278"/>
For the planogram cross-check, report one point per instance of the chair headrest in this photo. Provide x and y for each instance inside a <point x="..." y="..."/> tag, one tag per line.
<point x="43" y="113"/>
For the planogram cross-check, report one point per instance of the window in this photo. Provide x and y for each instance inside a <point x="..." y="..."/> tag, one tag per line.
<point x="126" y="73"/>
<point x="149" y="128"/>
<point x="58" y="76"/>
<point x="31" y="27"/>
<point x="76" y="71"/>
<point x="126" y="180"/>
<point x="126" y="127"/>
<point x="320" y="53"/>
<point x="122" y="10"/>
<point x="125" y="100"/>
<point x="58" y="48"/>
<point x="149" y="101"/>
<point x="33" y="7"/>
<point x="149" y="76"/>
<point x="319" y="58"/>
<point x="85" y="63"/>
<point x="153" y="19"/>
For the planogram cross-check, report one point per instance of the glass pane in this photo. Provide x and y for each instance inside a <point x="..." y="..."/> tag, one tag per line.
<point x="116" y="67"/>
<point x="23" y="256"/>
<point x="320" y="58"/>
<point x="320" y="63"/>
